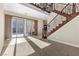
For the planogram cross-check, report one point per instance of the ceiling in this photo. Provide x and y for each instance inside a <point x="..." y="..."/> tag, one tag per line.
<point x="21" y="9"/>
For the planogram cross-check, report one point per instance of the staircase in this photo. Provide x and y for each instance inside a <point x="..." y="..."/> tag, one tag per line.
<point x="57" y="26"/>
<point x="65" y="14"/>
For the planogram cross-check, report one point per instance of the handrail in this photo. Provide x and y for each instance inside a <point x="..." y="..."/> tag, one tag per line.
<point x="64" y="7"/>
<point x="58" y="14"/>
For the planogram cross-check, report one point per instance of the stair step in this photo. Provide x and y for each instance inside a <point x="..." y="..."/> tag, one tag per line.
<point x="60" y="24"/>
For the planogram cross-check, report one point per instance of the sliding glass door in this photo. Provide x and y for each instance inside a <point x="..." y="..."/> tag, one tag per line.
<point x="21" y="27"/>
<point x="17" y="27"/>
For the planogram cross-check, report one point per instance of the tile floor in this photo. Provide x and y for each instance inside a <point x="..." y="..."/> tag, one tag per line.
<point x="35" y="46"/>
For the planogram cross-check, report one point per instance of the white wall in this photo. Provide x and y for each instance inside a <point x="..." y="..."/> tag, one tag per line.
<point x="68" y="34"/>
<point x="1" y="27"/>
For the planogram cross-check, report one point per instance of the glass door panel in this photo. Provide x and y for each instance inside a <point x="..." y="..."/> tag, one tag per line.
<point x="14" y="26"/>
<point x="17" y="27"/>
<point x="20" y="27"/>
<point x="29" y="27"/>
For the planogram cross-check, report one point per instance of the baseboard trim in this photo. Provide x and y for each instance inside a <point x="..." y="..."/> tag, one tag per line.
<point x="70" y="44"/>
